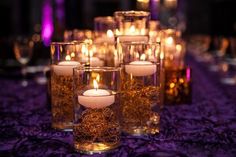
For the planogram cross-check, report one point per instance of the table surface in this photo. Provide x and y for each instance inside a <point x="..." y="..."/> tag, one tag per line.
<point x="207" y="127"/>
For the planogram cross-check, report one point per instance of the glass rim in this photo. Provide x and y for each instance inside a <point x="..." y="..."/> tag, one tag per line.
<point x="104" y="19"/>
<point x="106" y="69"/>
<point x="135" y="13"/>
<point x="140" y="42"/>
<point x="169" y="31"/>
<point x="62" y="43"/>
<point x="73" y="42"/>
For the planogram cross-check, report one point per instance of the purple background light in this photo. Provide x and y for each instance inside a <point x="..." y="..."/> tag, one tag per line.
<point x="47" y="22"/>
<point x="188" y="72"/>
<point x="154" y="9"/>
<point x="60" y="11"/>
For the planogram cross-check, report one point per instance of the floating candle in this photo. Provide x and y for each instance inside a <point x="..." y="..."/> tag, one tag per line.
<point x="140" y="68"/>
<point x="65" y="67"/>
<point x="96" y="98"/>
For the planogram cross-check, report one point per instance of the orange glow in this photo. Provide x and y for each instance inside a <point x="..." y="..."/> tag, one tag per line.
<point x="143" y="1"/>
<point x="137" y="55"/>
<point x="110" y="33"/>
<point x="169" y="41"/>
<point x="98" y="77"/>
<point x="132" y="29"/>
<point x="181" y="80"/>
<point x="84" y="50"/>
<point x="72" y="54"/>
<point x="143" y="57"/>
<point x="172" y="85"/>
<point x="117" y="32"/>
<point x="162" y="55"/>
<point x="95" y="84"/>
<point x="178" y="48"/>
<point x="68" y="58"/>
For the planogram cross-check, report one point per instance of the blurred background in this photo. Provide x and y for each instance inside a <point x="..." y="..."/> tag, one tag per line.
<point x="46" y="20"/>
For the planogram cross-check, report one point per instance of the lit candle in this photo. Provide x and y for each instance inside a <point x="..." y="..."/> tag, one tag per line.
<point x="141" y="68"/>
<point x="96" y="98"/>
<point x="65" y="67"/>
<point x="169" y="42"/>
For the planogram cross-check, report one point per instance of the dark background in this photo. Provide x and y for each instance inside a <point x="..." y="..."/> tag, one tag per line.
<point x="24" y="17"/>
<point x="217" y="17"/>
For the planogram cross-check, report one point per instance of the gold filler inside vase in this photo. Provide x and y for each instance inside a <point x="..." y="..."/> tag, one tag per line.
<point x="97" y="131"/>
<point x="138" y="102"/>
<point x="62" y="101"/>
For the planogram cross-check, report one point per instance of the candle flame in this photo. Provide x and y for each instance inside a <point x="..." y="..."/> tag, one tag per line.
<point x="95" y="84"/>
<point x="172" y="85"/>
<point x="68" y="58"/>
<point x="158" y="39"/>
<point x="143" y="31"/>
<point x="169" y="41"/>
<point x="178" y="48"/>
<point x="110" y="33"/>
<point x="143" y="57"/>
<point x="117" y="32"/>
<point x="132" y="29"/>
<point x="162" y="55"/>
<point x="98" y="78"/>
<point x="72" y="54"/>
<point x="84" y="50"/>
<point x="91" y="53"/>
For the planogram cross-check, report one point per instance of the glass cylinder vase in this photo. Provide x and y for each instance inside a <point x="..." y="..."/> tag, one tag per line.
<point x="97" y="113"/>
<point x="131" y="25"/>
<point x="64" y="58"/>
<point x="140" y="88"/>
<point x="174" y="49"/>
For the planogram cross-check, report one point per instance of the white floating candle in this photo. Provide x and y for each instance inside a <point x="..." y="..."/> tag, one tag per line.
<point x="65" y="67"/>
<point x="132" y="38"/>
<point x="140" y="68"/>
<point x="96" y="98"/>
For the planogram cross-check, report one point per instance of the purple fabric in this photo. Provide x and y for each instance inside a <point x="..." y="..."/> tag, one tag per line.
<point x="207" y="127"/>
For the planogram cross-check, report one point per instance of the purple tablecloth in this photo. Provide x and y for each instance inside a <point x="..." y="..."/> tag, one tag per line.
<point x="207" y="127"/>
